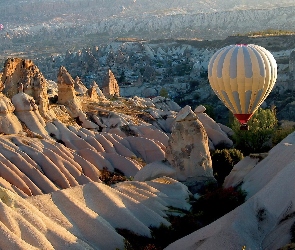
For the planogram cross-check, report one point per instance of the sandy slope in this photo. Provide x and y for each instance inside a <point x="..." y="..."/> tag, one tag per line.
<point x="85" y="216"/>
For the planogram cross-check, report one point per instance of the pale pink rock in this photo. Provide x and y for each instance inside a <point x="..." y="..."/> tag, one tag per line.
<point x="10" y="176"/>
<point x="5" y="184"/>
<point x="33" y="189"/>
<point x="110" y="87"/>
<point x="215" y="133"/>
<point x="128" y="167"/>
<point x="63" y="152"/>
<point x="117" y="131"/>
<point x="226" y="129"/>
<point x="89" y="169"/>
<point x="239" y="171"/>
<point x="85" y="122"/>
<point x="27" y="111"/>
<point x="218" y="138"/>
<point x="49" y="168"/>
<point x="107" y="145"/>
<point x="188" y="151"/>
<point x="70" y="139"/>
<point x="200" y="109"/>
<point x="40" y="180"/>
<point x="145" y="148"/>
<point x="120" y="148"/>
<point x="9" y="124"/>
<point x="263" y="221"/>
<point x="90" y="138"/>
<point x="154" y="170"/>
<point x="97" y="159"/>
<point x="153" y="133"/>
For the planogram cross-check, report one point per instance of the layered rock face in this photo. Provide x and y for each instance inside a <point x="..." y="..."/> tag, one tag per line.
<point x="110" y="87"/>
<point x="188" y="150"/>
<point x="19" y="71"/>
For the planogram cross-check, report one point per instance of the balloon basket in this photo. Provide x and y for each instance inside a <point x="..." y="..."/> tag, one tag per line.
<point x="244" y="126"/>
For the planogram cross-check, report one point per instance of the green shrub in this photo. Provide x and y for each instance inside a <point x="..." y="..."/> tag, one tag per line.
<point x="223" y="161"/>
<point x="215" y="204"/>
<point x="280" y="134"/>
<point x="258" y="138"/>
<point x="164" y="92"/>
<point x="209" y="110"/>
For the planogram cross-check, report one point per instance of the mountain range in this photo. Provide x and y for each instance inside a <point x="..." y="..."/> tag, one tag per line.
<point x="147" y="18"/>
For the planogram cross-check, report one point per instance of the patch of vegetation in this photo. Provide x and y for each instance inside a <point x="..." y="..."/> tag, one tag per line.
<point x="258" y="138"/>
<point x="211" y="206"/>
<point x="269" y="32"/>
<point x="138" y="160"/>
<point x="292" y="231"/>
<point x="110" y="178"/>
<point x="281" y="133"/>
<point x="217" y="203"/>
<point x="164" y="92"/>
<point x="209" y="110"/>
<point x="128" y="131"/>
<point x="223" y="161"/>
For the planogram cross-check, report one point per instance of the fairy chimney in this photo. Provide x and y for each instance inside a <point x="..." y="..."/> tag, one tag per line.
<point x="188" y="150"/>
<point x="110" y="87"/>
<point x="66" y="86"/>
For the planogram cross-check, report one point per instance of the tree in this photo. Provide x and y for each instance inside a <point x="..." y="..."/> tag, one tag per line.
<point x="122" y="77"/>
<point x="258" y="138"/>
<point x="163" y="92"/>
<point x="223" y="161"/>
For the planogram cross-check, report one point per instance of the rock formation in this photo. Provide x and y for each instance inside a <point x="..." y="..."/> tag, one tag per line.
<point x="66" y="86"/>
<point x="79" y="86"/>
<point x="217" y="137"/>
<point x="27" y="111"/>
<point x="110" y="87"/>
<point x="95" y="93"/>
<point x="9" y="124"/>
<point x="188" y="150"/>
<point x="23" y="71"/>
<point x="67" y="93"/>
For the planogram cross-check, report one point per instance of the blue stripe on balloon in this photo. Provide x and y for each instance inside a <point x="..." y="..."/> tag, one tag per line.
<point x="221" y="61"/>
<point x="211" y="62"/>
<point x="260" y="62"/>
<point x="247" y="63"/>
<point x="233" y="63"/>
<point x="228" y="102"/>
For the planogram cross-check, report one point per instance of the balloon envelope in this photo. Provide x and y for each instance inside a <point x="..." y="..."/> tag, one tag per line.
<point x="242" y="76"/>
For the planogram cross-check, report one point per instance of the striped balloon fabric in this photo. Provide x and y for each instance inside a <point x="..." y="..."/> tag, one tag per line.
<point x="242" y="76"/>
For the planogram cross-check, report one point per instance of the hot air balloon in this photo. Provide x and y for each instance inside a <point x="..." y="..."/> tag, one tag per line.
<point x="242" y="76"/>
